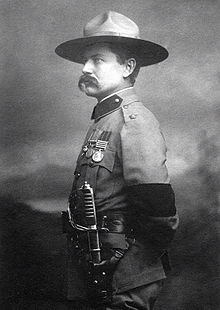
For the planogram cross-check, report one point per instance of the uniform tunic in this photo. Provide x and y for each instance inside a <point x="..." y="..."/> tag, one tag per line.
<point x="124" y="174"/>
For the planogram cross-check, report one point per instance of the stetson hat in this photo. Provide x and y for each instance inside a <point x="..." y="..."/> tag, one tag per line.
<point x="115" y="28"/>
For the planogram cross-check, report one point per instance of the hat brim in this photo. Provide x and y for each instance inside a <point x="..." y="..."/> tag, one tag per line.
<point x="148" y="53"/>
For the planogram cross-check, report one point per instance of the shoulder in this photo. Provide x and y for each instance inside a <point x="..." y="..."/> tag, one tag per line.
<point x="137" y="114"/>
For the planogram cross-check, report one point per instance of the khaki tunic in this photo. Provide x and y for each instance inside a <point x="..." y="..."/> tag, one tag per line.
<point x="135" y="154"/>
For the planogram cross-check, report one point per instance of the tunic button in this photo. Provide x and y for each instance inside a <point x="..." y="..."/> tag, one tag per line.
<point x="132" y="116"/>
<point x="117" y="100"/>
<point x="77" y="175"/>
<point x="125" y="106"/>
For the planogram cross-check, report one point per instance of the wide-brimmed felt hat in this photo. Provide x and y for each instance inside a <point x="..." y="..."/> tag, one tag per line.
<point x="115" y="28"/>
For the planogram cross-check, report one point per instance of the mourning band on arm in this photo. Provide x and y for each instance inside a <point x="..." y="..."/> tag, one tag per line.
<point x="157" y="199"/>
<point x="153" y="208"/>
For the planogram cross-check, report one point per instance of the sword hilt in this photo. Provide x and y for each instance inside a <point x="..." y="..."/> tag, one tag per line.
<point x="89" y="205"/>
<point x="91" y="221"/>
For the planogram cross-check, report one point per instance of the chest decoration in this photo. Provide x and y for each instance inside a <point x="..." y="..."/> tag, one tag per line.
<point x="88" y="147"/>
<point x="95" y="148"/>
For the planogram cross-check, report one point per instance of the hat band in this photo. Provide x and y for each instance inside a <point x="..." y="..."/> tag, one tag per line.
<point x="111" y="33"/>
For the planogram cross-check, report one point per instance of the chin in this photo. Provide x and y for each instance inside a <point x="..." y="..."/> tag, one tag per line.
<point x="89" y="92"/>
<point x="91" y="95"/>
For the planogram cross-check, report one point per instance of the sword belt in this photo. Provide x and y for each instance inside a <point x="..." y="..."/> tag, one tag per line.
<point x="112" y="227"/>
<point x="115" y="239"/>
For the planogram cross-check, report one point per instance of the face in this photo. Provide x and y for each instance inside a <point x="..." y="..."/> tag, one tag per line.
<point x="102" y="73"/>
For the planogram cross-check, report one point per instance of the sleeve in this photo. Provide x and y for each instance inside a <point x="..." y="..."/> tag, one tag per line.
<point x="143" y="149"/>
<point x="151" y="197"/>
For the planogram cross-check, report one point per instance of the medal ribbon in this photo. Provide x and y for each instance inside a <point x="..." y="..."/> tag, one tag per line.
<point x="100" y="146"/>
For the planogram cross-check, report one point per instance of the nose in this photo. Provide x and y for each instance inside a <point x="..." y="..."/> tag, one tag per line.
<point x="87" y="67"/>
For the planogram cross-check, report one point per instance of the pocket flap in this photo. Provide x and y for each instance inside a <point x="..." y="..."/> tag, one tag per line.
<point x="106" y="162"/>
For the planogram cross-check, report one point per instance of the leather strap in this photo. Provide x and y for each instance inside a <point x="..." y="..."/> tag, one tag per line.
<point x="113" y="240"/>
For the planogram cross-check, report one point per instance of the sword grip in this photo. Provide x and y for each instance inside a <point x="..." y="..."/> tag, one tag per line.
<point x="89" y="205"/>
<point x="91" y="221"/>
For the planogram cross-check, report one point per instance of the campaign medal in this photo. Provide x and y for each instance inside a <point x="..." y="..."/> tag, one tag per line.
<point x="100" y="147"/>
<point x="89" y="152"/>
<point x="85" y="148"/>
<point x="97" y="156"/>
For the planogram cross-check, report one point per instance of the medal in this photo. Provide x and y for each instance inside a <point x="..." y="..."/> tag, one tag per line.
<point x="85" y="148"/>
<point x="89" y="152"/>
<point x="97" y="156"/>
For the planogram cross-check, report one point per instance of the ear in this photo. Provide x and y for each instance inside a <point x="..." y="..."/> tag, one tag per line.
<point x="130" y="65"/>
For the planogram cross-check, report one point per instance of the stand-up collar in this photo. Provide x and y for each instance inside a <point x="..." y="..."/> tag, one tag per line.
<point x="113" y="102"/>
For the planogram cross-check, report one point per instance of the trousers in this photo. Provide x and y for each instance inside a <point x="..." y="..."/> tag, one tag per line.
<point x="139" y="298"/>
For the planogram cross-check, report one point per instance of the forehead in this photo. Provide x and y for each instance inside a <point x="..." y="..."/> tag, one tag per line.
<point x="99" y="49"/>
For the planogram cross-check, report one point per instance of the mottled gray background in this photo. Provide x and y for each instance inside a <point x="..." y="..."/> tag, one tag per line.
<point x="44" y="116"/>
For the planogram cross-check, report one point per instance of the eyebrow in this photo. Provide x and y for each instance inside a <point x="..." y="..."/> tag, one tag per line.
<point x="98" y="54"/>
<point x="93" y="56"/>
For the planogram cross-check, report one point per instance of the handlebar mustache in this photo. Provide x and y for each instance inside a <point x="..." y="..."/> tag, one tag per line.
<point x="87" y="79"/>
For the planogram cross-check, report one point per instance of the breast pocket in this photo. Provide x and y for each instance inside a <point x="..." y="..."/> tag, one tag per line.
<point x="100" y="174"/>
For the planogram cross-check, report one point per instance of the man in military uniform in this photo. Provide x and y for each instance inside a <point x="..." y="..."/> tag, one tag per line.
<point x="123" y="160"/>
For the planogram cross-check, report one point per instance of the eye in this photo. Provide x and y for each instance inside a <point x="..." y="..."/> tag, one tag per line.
<point x="97" y="60"/>
<point x="84" y="60"/>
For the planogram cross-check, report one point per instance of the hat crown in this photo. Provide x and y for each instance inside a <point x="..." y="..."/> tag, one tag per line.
<point x="113" y="24"/>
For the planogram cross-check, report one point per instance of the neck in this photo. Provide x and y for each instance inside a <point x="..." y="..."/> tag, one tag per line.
<point x="116" y="93"/>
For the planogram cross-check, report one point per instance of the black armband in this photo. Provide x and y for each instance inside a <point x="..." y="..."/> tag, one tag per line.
<point x="155" y="199"/>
